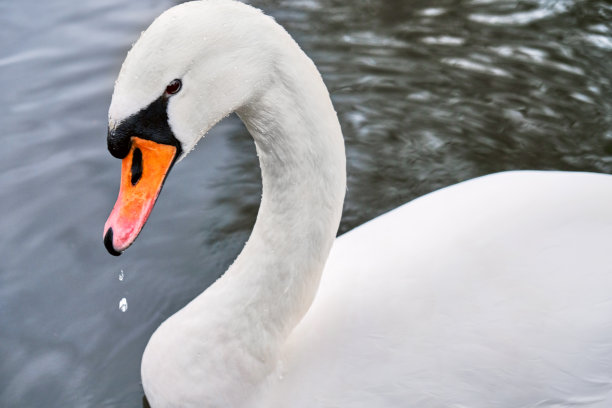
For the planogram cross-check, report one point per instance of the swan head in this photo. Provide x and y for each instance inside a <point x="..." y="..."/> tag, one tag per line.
<point x="187" y="71"/>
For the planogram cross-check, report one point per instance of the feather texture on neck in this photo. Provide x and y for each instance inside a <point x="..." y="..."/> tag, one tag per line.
<point x="232" y="334"/>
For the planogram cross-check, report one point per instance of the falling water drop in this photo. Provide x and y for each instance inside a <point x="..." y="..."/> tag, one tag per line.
<point x="121" y="275"/>
<point x="123" y="305"/>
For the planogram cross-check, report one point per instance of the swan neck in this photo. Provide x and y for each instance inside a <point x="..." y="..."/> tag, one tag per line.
<point x="301" y="152"/>
<point x="238" y="326"/>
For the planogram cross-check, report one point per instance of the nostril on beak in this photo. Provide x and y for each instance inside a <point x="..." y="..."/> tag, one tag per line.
<point x="136" y="166"/>
<point x="108" y="242"/>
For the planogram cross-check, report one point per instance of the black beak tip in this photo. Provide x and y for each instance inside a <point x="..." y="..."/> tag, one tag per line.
<point x="108" y="243"/>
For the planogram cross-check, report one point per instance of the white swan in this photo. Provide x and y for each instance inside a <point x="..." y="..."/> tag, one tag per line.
<point x="496" y="292"/>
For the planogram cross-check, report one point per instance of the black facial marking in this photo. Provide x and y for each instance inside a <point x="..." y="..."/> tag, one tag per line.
<point x="108" y="243"/>
<point x="136" y="166"/>
<point x="150" y="123"/>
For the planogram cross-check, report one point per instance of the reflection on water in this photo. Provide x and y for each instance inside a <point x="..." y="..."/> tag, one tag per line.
<point x="428" y="92"/>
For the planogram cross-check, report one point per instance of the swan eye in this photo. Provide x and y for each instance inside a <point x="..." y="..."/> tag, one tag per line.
<point x="173" y="87"/>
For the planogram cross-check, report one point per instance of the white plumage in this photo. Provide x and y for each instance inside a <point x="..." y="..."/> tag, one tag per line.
<point x="493" y="293"/>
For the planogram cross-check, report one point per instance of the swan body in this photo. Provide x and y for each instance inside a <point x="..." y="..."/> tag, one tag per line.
<point x="487" y="294"/>
<point x="493" y="293"/>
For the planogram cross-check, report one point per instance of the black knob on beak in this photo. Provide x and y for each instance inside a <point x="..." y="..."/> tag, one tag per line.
<point x="118" y="143"/>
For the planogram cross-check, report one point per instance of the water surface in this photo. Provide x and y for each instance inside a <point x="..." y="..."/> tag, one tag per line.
<point x="428" y="92"/>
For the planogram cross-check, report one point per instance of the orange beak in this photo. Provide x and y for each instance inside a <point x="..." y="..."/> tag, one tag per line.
<point x="143" y="172"/>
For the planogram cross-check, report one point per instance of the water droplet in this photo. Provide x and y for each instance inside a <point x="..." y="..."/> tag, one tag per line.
<point x="123" y="305"/>
<point x="121" y="275"/>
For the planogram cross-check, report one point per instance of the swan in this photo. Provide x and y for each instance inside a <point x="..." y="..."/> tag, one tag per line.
<point x="492" y="293"/>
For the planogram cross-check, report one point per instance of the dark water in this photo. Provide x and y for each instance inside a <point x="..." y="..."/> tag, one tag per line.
<point x="428" y="93"/>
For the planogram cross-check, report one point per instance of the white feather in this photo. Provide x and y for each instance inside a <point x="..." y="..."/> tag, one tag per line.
<point x="492" y="293"/>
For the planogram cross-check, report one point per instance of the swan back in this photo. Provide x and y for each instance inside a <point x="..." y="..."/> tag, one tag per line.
<point x="492" y="293"/>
